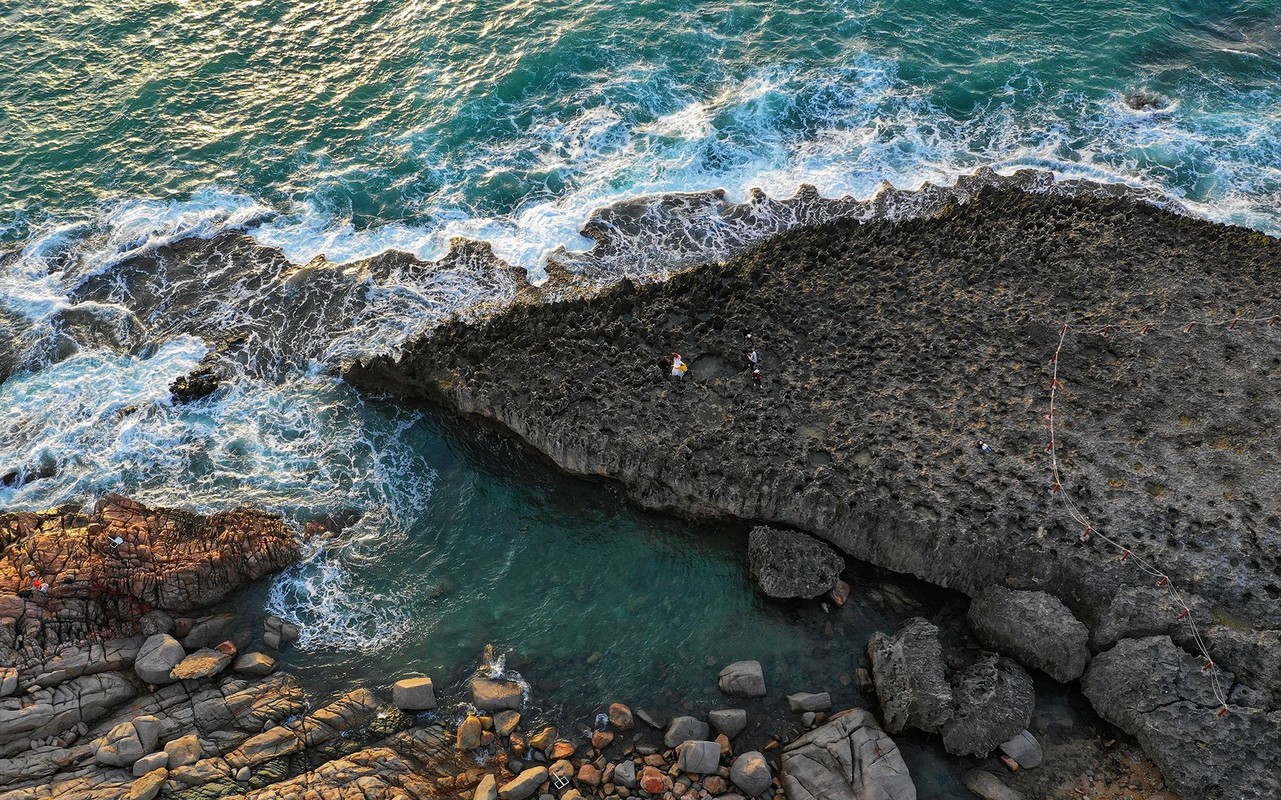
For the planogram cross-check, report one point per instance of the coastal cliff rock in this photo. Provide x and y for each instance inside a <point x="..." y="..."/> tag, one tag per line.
<point x="902" y="411"/>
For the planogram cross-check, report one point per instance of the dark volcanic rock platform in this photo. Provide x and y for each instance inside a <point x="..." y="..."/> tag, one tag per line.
<point x="890" y="350"/>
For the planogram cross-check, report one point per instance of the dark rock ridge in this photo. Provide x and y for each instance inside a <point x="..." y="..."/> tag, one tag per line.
<point x="890" y="349"/>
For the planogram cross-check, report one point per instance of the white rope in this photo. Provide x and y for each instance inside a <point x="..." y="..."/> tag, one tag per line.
<point x="1090" y="531"/>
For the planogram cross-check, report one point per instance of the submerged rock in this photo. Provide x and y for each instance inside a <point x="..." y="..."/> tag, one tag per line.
<point x="792" y="564"/>
<point x="743" y="679"/>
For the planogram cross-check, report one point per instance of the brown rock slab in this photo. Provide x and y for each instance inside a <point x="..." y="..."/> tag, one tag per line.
<point x="204" y="663"/>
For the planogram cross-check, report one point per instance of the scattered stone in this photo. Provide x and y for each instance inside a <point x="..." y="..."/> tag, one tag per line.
<point x="505" y="722"/>
<point x="684" y="729"/>
<point x="157" y="657"/>
<point x="543" y="739"/>
<point x="127" y="742"/>
<point x="1024" y="749"/>
<point x="907" y="670"/>
<point x="743" y="679"/>
<point x="204" y="663"/>
<point x="602" y="739"/>
<point x="620" y="716"/>
<point x="562" y="749"/>
<point x="809" y="701"/>
<point x="987" y="786"/>
<point x="523" y="785"/>
<point x="698" y="757"/>
<point x="808" y="719"/>
<point x="729" y="721"/>
<point x="469" y="733"/>
<point x="487" y="789"/>
<point x="994" y="699"/>
<point x="563" y="768"/>
<point x="183" y="751"/>
<point x="653" y="781"/>
<point x="148" y="786"/>
<point x="751" y="774"/>
<point x="201" y="382"/>
<point x="849" y="757"/>
<point x="413" y="694"/>
<point x="589" y="774"/>
<point x="625" y="773"/>
<point x="243" y="774"/>
<point x="254" y="664"/>
<point x="496" y="695"/>
<point x="715" y="785"/>
<point x="839" y="594"/>
<point x="1034" y="628"/>
<point x="149" y="762"/>
<point x="792" y="564"/>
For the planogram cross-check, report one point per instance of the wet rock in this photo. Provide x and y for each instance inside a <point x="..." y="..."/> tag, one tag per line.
<point x="839" y="594"/>
<point x="562" y="749"/>
<point x="505" y="722"/>
<point x="684" y="729"/>
<point x="487" y="789"/>
<point x="993" y="699"/>
<point x="698" y="756"/>
<point x="1157" y="692"/>
<point x="589" y="775"/>
<point x="620" y="716"/>
<point x="743" y="679"/>
<point x="751" y="774"/>
<point x="602" y="739"/>
<point x="254" y="664"/>
<point x="204" y="663"/>
<point x="544" y="739"/>
<point x="988" y="786"/>
<point x="157" y="658"/>
<point x="1024" y="749"/>
<point x="469" y="732"/>
<point x="1033" y="627"/>
<point x="523" y="785"/>
<point x="728" y="721"/>
<point x="809" y="701"/>
<point x="199" y="383"/>
<point x="848" y="757"/>
<point x="792" y="564"/>
<point x="907" y="670"/>
<point x="652" y="718"/>
<point x="495" y="695"/>
<point x="415" y="694"/>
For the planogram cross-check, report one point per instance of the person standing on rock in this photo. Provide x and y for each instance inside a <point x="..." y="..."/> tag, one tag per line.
<point x="679" y="367"/>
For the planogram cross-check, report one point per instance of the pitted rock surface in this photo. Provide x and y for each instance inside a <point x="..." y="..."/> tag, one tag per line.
<point x="907" y="670"/>
<point x="1156" y="691"/>
<point x="792" y="564"/>
<point x="1033" y="627"/>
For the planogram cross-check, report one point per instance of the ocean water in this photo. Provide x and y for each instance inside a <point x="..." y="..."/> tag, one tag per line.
<point x="348" y="129"/>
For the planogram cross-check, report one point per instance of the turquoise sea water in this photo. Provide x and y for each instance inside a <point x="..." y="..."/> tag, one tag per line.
<point x="348" y="128"/>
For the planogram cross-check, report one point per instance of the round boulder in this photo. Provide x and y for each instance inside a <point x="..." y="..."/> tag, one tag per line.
<point x="751" y="774"/>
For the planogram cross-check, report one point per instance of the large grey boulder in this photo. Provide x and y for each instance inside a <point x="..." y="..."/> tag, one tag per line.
<point x="750" y="773"/>
<point x="792" y="564"/>
<point x="683" y="729"/>
<point x="699" y="757"/>
<point x="1034" y="628"/>
<point x="743" y="679"/>
<point x="1157" y="692"/>
<point x="523" y="785"/>
<point x="729" y="721"/>
<point x="157" y="658"/>
<point x="848" y="758"/>
<point x="993" y="700"/>
<point x="809" y="701"/>
<point x="907" y="670"/>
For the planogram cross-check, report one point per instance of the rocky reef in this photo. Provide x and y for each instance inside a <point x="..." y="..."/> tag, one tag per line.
<point x="901" y="417"/>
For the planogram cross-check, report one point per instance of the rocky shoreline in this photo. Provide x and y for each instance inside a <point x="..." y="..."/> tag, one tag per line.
<point x="891" y="350"/>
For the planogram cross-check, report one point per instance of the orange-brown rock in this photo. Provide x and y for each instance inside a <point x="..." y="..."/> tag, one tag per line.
<point x="654" y="781"/>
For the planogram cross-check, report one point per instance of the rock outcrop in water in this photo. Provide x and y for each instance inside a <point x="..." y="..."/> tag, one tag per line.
<point x="890" y="350"/>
